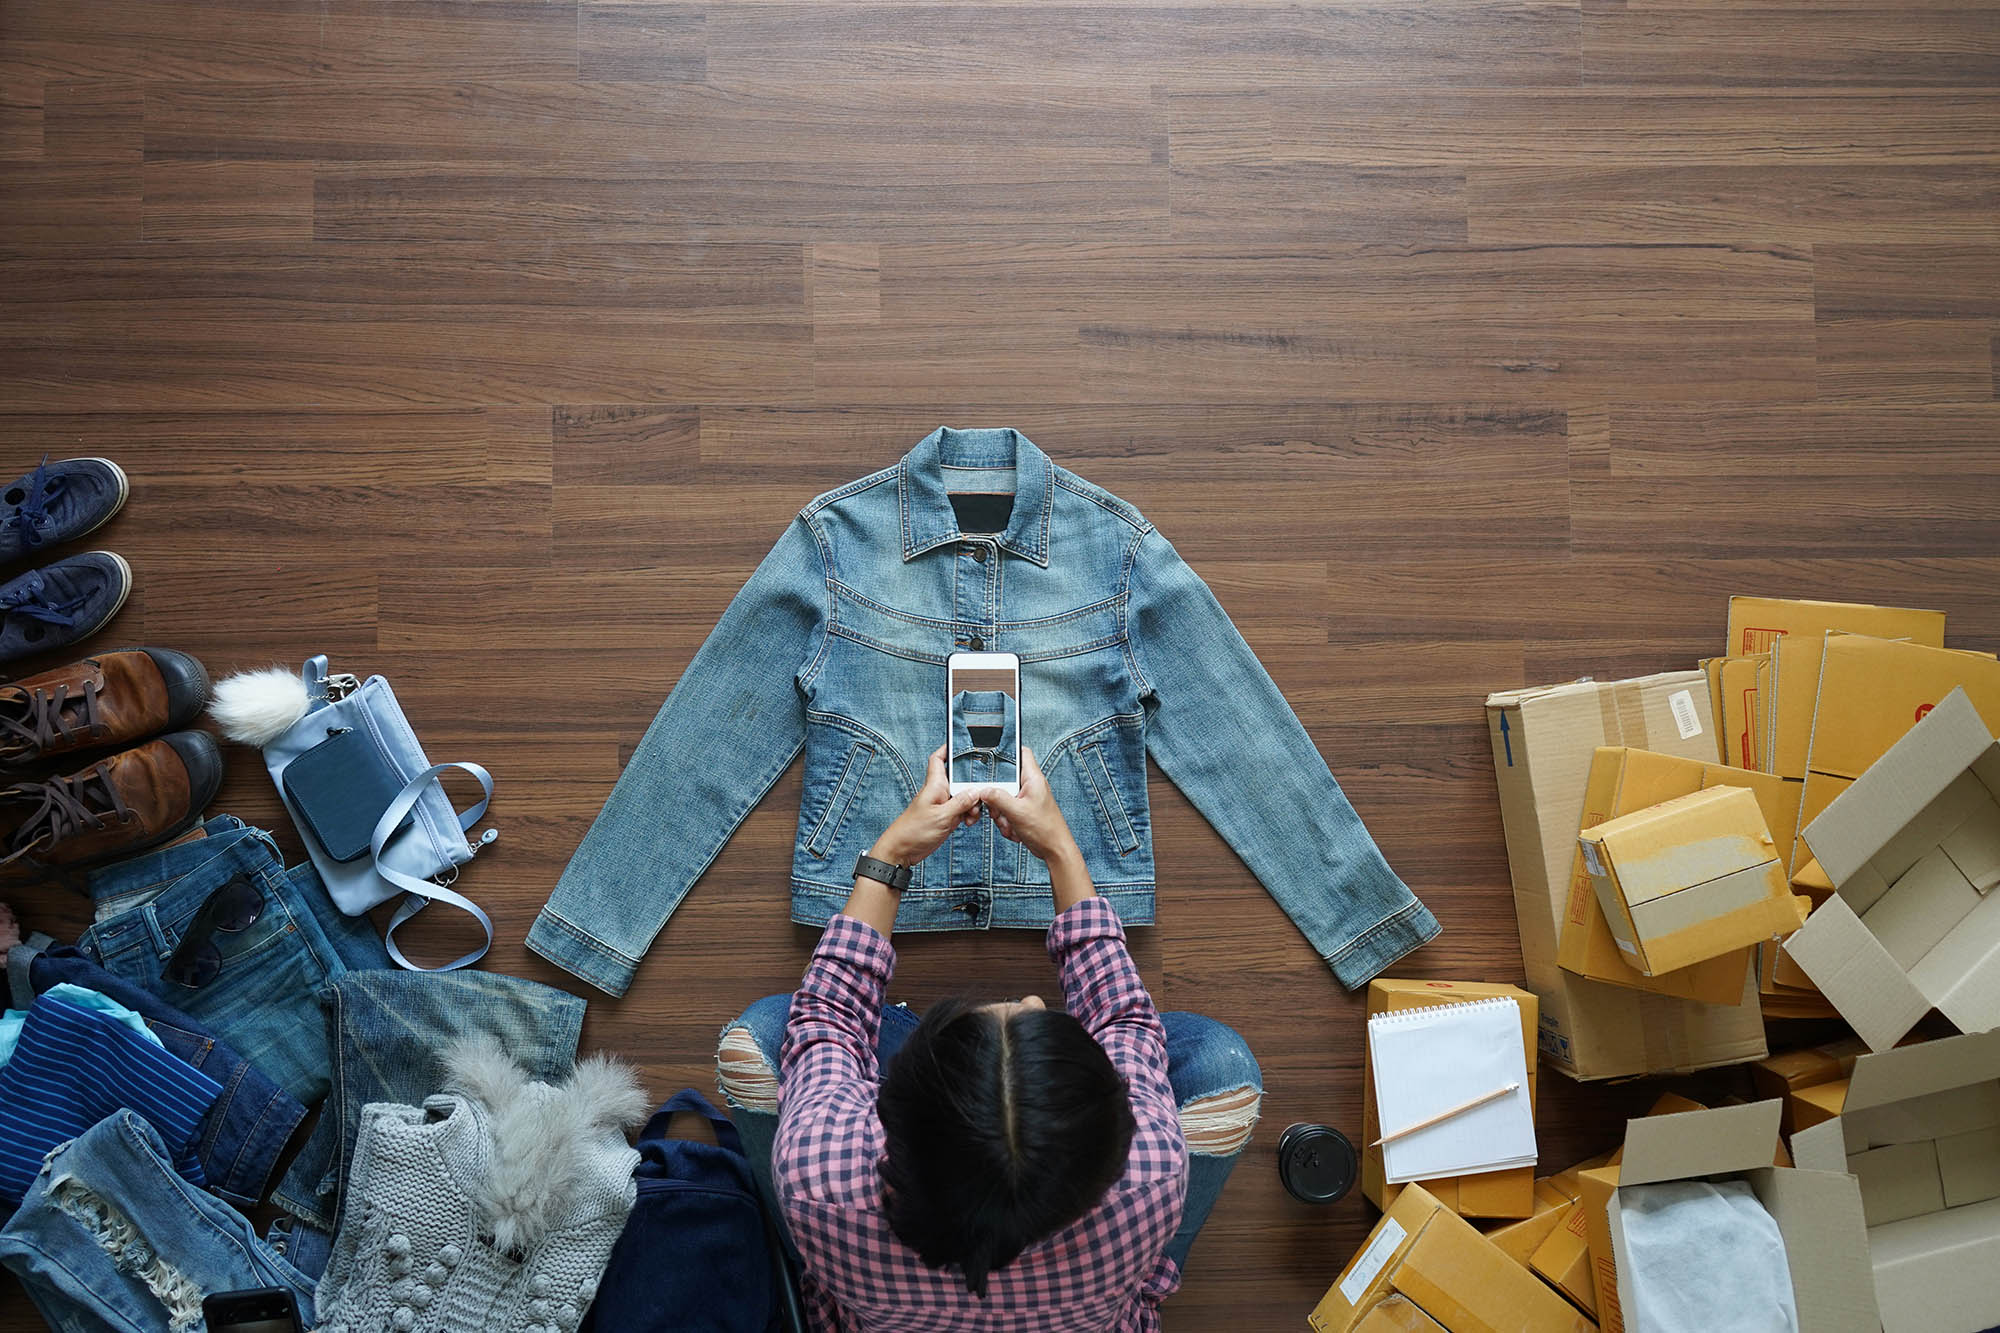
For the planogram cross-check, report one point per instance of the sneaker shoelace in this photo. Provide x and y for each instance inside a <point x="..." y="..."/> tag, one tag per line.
<point x="70" y="805"/>
<point x="31" y="720"/>
<point x="32" y="514"/>
<point x="33" y="600"/>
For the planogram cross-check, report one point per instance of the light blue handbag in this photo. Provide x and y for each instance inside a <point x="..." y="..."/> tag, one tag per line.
<point x="418" y="841"/>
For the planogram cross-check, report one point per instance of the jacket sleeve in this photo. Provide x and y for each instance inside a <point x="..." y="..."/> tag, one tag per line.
<point x="728" y="729"/>
<point x="1217" y="725"/>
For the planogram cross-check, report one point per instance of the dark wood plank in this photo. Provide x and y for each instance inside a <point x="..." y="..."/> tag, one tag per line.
<point x="1806" y="46"/>
<point x="1799" y="204"/>
<point x="93" y="121"/>
<point x="1499" y="44"/>
<point x="65" y="204"/>
<point x="228" y="201"/>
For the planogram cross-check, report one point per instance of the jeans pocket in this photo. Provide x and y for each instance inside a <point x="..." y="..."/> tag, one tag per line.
<point x="1110" y="805"/>
<point x="859" y="756"/>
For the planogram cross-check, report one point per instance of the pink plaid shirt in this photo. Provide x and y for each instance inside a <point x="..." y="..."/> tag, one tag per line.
<point x="1107" y="1271"/>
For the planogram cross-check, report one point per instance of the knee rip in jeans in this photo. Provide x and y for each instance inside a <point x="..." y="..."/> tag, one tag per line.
<point x="744" y="1075"/>
<point x="1219" y="1124"/>
<point x="130" y="1251"/>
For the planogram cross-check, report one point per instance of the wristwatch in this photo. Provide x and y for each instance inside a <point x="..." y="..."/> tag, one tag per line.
<point x="887" y="872"/>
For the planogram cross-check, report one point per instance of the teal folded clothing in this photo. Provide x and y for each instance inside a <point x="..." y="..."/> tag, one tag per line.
<point x="13" y="1020"/>
<point x="74" y="1066"/>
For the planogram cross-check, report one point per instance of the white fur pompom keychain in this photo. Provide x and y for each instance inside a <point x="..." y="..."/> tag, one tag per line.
<point x="257" y="707"/>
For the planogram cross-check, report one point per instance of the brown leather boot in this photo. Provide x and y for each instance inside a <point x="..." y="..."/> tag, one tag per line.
<point x="120" y="805"/>
<point x="110" y="699"/>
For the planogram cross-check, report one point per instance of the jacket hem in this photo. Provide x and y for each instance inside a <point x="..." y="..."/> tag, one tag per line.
<point x="1404" y="931"/>
<point x="971" y="907"/>
<point x="580" y="955"/>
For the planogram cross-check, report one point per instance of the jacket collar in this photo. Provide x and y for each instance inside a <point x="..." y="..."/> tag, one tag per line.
<point x="928" y="520"/>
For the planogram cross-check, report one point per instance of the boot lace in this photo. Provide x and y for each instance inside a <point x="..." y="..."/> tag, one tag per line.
<point x="79" y="803"/>
<point x="32" y="720"/>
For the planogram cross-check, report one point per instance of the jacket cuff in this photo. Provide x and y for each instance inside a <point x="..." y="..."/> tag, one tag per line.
<point x="581" y="955"/>
<point x="1411" y="927"/>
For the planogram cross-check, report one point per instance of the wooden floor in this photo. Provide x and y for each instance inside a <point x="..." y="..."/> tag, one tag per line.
<point x="489" y="343"/>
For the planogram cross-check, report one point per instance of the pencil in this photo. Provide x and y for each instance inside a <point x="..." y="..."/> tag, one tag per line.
<point x="1460" y="1109"/>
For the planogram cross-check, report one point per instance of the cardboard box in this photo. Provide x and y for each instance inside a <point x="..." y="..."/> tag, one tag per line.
<point x="1920" y="1130"/>
<point x="1689" y="879"/>
<point x="1543" y="739"/>
<point x="1794" y="632"/>
<point x="1398" y="1315"/>
<point x="1913" y="850"/>
<point x="1740" y="718"/>
<point x="1871" y="692"/>
<point x="1621" y="781"/>
<point x="1434" y="1259"/>
<point x="1518" y="1238"/>
<point x="1563" y="1258"/>
<point x="1806" y="1107"/>
<point x="1818" y="1213"/>
<point x="1783" y="1073"/>
<point x="1757" y="623"/>
<point x="1509" y="1193"/>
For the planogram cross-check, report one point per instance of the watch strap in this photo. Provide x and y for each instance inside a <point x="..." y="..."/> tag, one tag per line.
<point x="887" y="872"/>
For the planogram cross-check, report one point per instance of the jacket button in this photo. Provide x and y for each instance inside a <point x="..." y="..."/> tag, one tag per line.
<point x="975" y="643"/>
<point x="979" y="554"/>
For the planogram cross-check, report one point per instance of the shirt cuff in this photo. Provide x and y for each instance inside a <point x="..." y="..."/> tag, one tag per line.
<point x="857" y="944"/>
<point x="1092" y="919"/>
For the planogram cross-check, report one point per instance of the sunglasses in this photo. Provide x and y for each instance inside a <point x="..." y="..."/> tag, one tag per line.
<point x="232" y="908"/>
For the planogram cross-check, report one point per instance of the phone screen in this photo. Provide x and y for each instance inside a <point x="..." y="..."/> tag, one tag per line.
<point x="985" y="720"/>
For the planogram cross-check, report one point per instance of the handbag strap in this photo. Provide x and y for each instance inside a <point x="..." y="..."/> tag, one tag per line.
<point x="689" y="1099"/>
<point x="423" y="892"/>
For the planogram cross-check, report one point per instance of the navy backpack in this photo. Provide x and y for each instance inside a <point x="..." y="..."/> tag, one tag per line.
<point x="698" y="1254"/>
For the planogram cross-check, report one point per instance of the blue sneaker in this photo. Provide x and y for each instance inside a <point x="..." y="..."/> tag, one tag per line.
<point x="59" y="502"/>
<point x="53" y="607"/>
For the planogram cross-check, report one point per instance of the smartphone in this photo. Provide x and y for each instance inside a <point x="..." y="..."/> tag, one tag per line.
<point x="983" y="721"/>
<point x="265" y="1310"/>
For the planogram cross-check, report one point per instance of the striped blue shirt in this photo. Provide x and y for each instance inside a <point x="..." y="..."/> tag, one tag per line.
<point x="72" y="1068"/>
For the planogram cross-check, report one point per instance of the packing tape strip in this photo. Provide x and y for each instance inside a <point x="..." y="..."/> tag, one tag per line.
<point x="1622" y="713"/>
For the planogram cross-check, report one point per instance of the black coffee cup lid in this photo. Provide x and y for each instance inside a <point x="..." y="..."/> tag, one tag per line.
<point x="1316" y="1163"/>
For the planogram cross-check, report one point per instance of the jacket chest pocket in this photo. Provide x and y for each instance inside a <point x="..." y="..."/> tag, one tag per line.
<point x="1110" y="805"/>
<point x="852" y="771"/>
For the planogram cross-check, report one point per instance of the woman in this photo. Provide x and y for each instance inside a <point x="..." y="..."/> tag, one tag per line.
<point x="1000" y="1166"/>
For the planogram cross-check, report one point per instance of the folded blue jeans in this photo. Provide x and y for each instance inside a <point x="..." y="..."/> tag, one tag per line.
<point x="1204" y="1058"/>
<point x="245" y="1132"/>
<point x="388" y="1031"/>
<point x="111" y="1237"/>
<point x="265" y="999"/>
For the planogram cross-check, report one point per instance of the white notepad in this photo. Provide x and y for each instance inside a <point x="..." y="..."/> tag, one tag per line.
<point x="1429" y="1060"/>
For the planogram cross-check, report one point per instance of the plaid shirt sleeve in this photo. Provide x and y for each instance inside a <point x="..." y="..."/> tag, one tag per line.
<point x="1103" y="990"/>
<point x="828" y="1135"/>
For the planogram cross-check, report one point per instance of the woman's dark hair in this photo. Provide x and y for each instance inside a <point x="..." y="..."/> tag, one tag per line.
<point x="1001" y="1132"/>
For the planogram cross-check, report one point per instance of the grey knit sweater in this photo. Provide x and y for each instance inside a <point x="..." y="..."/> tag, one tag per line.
<point x="493" y="1206"/>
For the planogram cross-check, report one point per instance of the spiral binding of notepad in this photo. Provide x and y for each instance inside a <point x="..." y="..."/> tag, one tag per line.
<point x="1404" y="1017"/>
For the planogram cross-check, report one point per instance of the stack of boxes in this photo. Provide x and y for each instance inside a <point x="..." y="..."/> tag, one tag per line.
<point x="1807" y="826"/>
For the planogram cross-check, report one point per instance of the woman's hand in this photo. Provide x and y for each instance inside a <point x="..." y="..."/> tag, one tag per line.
<point x="929" y="818"/>
<point x="1034" y="820"/>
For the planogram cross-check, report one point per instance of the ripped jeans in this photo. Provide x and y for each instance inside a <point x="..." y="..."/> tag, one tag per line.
<point x="1216" y="1082"/>
<point x="111" y="1237"/>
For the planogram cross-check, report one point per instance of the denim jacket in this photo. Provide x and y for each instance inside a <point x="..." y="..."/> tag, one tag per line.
<point x="837" y="646"/>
